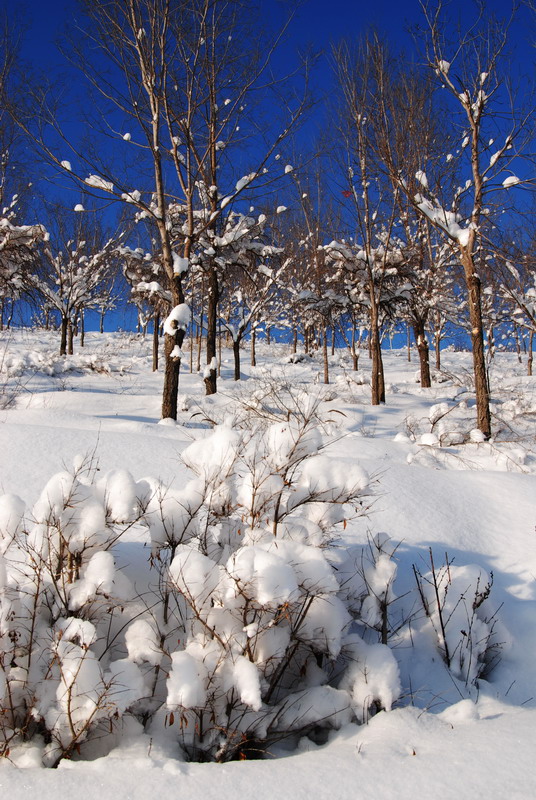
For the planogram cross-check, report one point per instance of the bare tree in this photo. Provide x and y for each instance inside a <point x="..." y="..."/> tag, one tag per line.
<point x="373" y="209"/>
<point x="467" y="64"/>
<point x="74" y="273"/>
<point x="175" y="84"/>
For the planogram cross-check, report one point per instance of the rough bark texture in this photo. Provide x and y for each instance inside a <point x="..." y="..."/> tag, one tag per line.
<point x="70" y="338"/>
<point x="424" y="354"/>
<point x="438" y="352"/>
<point x="63" y="339"/>
<point x="325" y="356"/>
<point x="172" y="365"/>
<point x="377" y="378"/>
<point x="477" y="341"/>
<point x="236" y="354"/>
<point x="156" y="341"/>
<point x="212" y="331"/>
<point x="253" y="351"/>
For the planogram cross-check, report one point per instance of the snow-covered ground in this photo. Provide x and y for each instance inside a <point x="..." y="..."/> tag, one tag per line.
<point x="437" y="487"/>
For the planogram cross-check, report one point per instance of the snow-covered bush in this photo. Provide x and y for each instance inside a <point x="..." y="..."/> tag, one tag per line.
<point x="62" y="604"/>
<point x="366" y="577"/>
<point x="455" y="601"/>
<point x="248" y="635"/>
<point x="258" y="638"/>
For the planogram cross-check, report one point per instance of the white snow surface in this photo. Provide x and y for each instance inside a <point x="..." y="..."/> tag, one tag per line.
<point x="472" y="500"/>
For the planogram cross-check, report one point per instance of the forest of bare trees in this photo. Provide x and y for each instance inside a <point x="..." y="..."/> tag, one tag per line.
<point x="202" y="185"/>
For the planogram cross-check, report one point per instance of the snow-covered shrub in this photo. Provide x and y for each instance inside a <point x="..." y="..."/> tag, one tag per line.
<point x="366" y="577"/>
<point x="455" y="600"/>
<point x="62" y="605"/>
<point x="252" y="631"/>
<point x="252" y="594"/>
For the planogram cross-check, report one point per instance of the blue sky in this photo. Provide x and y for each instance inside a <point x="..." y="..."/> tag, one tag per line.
<point x="318" y="23"/>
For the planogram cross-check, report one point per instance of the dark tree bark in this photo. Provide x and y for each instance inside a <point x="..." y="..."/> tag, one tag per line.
<point x="325" y="358"/>
<point x="377" y="378"/>
<point x="63" y="336"/>
<point x="253" y="347"/>
<point x="70" y="338"/>
<point x="424" y="353"/>
<point x="212" y="331"/>
<point x="236" y="355"/>
<point x="156" y="340"/>
<point x="477" y="340"/>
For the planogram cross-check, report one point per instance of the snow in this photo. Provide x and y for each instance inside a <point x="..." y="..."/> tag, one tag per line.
<point x="511" y="180"/>
<point x="462" y="235"/>
<point x="245" y="181"/>
<point x="99" y="183"/>
<point x="421" y="177"/>
<point x="473" y="501"/>
<point x="131" y="197"/>
<point x="180" y="264"/>
<point x="79" y="207"/>
<point x="178" y="318"/>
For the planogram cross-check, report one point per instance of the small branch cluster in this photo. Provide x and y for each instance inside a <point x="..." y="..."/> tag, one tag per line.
<point x="455" y="601"/>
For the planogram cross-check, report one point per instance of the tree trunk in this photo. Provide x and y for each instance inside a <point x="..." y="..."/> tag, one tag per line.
<point x="171" y="378"/>
<point x="295" y="340"/>
<point x="518" y="345"/>
<point x="101" y="322"/>
<point x="377" y="382"/>
<point x="529" y="361"/>
<point x="424" y="354"/>
<point x="219" y="359"/>
<point x="253" y="345"/>
<point x="156" y="342"/>
<point x="325" y="355"/>
<point x="63" y="339"/>
<point x="409" y="341"/>
<point x="82" y="329"/>
<point x="172" y="364"/>
<point x="477" y="340"/>
<point x="437" y="345"/>
<point x="353" y="350"/>
<point x="70" y="337"/>
<point x="236" y="354"/>
<point x="199" y="347"/>
<point x="192" y="340"/>
<point x="212" y="331"/>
